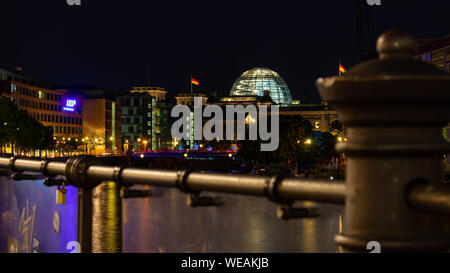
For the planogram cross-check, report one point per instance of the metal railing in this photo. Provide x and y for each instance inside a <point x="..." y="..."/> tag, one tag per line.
<point x="277" y="188"/>
<point x="86" y="173"/>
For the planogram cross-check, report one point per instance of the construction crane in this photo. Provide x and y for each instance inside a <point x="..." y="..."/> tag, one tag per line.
<point x="365" y="30"/>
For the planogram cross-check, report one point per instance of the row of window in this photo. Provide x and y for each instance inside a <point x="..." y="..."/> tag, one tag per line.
<point x="135" y="102"/>
<point x="36" y="105"/>
<point x="34" y="93"/>
<point x="131" y="120"/>
<point x="57" y="119"/>
<point x="67" y="130"/>
<point x="131" y="111"/>
<point x="137" y="129"/>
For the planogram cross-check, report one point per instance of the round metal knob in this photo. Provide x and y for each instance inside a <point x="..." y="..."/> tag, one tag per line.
<point x="396" y="43"/>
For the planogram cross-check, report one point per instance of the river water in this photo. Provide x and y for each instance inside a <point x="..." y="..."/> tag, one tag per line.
<point x="31" y="221"/>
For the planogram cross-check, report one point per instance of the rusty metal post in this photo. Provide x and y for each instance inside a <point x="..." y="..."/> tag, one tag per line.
<point x="394" y="109"/>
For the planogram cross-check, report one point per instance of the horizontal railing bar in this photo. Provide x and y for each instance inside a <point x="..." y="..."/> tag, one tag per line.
<point x="287" y="189"/>
<point x="426" y="197"/>
<point x="421" y="197"/>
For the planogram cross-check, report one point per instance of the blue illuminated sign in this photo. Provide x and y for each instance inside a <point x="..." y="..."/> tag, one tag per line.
<point x="70" y="104"/>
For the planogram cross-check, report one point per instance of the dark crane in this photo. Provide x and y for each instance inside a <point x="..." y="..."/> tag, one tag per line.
<point x="365" y="30"/>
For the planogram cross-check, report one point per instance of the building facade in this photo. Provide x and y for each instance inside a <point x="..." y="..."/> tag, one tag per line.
<point x="102" y="122"/>
<point x="158" y="93"/>
<point x="138" y="122"/>
<point x="435" y="51"/>
<point x="58" y="109"/>
<point x="146" y="121"/>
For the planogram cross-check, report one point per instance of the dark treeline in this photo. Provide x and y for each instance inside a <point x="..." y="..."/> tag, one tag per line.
<point x="21" y="131"/>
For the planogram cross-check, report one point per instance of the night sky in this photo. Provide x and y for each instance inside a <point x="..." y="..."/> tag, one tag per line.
<point x="112" y="44"/>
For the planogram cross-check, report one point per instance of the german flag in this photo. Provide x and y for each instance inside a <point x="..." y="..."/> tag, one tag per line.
<point x="195" y="82"/>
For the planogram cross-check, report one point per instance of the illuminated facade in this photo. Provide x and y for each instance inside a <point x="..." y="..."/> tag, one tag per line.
<point x="145" y="121"/>
<point x="257" y="80"/>
<point x="158" y="93"/>
<point x="435" y="51"/>
<point x="102" y="122"/>
<point x="138" y="122"/>
<point x="57" y="109"/>
<point x="188" y="98"/>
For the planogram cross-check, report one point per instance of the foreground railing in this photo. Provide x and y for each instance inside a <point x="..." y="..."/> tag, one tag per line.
<point x="86" y="173"/>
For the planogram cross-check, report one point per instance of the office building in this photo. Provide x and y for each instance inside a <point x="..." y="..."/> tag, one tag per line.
<point x="146" y="119"/>
<point x="102" y="122"/>
<point x="435" y="51"/>
<point x="55" y="108"/>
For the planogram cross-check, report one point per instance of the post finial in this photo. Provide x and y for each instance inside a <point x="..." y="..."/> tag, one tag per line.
<point x="396" y="43"/>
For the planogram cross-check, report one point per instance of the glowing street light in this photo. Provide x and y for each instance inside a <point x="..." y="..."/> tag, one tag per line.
<point x="145" y="144"/>
<point x="308" y="142"/>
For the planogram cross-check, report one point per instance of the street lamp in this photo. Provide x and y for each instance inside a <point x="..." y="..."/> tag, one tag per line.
<point x="308" y="141"/>
<point x="145" y="145"/>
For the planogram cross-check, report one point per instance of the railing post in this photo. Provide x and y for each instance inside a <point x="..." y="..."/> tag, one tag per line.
<point x="394" y="109"/>
<point x="76" y="174"/>
<point x="84" y="219"/>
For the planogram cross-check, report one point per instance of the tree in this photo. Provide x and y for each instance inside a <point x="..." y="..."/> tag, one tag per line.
<point x="22" y="131"/>
<point x="294" y="132"/>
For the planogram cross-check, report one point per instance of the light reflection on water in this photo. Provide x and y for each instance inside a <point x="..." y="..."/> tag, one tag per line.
<point x="106" y="222"/>
<point x="164" y="223"/>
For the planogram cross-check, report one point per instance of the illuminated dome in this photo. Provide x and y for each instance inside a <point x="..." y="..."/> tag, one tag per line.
<point x="257" y="80"/>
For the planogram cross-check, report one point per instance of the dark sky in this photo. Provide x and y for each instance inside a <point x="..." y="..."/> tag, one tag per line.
<point x="112" y="43"/>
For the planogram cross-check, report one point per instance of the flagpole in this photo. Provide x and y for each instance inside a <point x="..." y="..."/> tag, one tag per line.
<point x="191" y="85"/>
<point x="339" y="68"/>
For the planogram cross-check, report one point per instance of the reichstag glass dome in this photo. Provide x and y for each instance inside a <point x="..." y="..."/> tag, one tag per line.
<point x="257" y="80"/>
